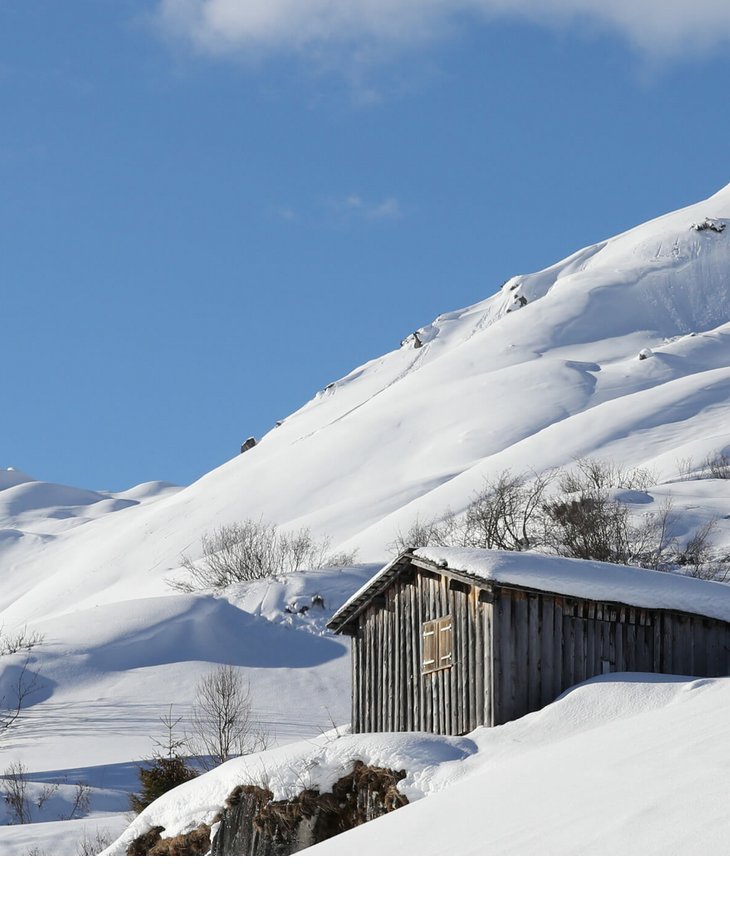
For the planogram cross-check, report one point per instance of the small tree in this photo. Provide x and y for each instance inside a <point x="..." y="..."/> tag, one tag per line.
<point x="165" y="770"/>
<point x="24" y="679"/>
<point x="15" y="793"/>
<point x="221" y="722"/>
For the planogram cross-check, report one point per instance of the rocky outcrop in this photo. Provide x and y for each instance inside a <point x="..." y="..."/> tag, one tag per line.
<point x="253" y="824"/>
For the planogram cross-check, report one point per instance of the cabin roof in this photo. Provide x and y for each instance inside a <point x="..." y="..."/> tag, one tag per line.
<point x="579" y="578"/>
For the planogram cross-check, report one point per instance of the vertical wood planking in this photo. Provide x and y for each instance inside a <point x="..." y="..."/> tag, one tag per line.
<point x="502" y="660"/>
<point x="460" y="683"/>
<point x="355" y="666"/>
<point x="547" y="659"/>
<point x="568" y="650"/>
<point x="521" y="662"/>
<point x="396" y="661"/>
<point x="557" y="647"/>
<point x="579" y="633"/>
<point x="534" y="650"/>
<point x="478" y="663"/>
<point x="488" y="648"/>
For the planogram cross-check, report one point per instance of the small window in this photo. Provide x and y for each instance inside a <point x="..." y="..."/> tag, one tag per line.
<point x="438" y="644"/>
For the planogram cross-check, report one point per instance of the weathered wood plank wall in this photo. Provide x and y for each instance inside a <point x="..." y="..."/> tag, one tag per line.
<point x="390" y="691"/>
<point x="545" y="644"/>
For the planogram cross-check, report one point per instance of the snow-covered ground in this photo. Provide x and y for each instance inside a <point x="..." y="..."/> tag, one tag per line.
<point x="107" y="675"/>
<point x="552" y="367"/>
<point x="622" y="764"/>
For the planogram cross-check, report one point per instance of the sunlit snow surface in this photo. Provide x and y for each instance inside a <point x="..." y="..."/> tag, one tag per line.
<point x="622" y="764"/>
<point x="546" y="370"/>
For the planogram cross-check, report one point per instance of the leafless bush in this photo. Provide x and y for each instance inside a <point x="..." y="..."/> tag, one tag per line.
<point x="578" y="513"/>
<point x="81" y="802"/>
<point x="15" y="792"/>
<point x="508" y="513"/>
<point x="21" y="640"/>
<point x="251" y="549"/>
<point x="718" y="465"/>
<point x="424" y="533"/>
<point x="685" y="468"/>
<point x="221" y="722"/>
<point x="48" y="792"/>
<point x="587" y="520"/>
<point x="92" y="845"/>
<point x="594" y="476"/>
<point x="24" y="681"/>
<point x="698" y="558"/>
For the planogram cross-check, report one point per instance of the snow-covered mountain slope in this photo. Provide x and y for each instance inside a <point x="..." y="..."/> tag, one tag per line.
<point x="545" y="370"/>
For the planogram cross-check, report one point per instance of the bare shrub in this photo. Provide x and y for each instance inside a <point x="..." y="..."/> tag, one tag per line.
<point x="718" y="465"/>
<point x="221" y="722"/>
<point x="577" y="513"/>
<point x="587" y="521"/>
<point x="19" y="644"/>
<point x="658" y="548"/>
<point x="250" y="550"/>
<point x="21" y="640"/>
<point x="80" y="804"/>
<point x="438" y="532"/>
<point x="685" y="468"/>
<point x="92" y="845"/>
<point x="595" y="476"/>
<point x="48" y="792"/>
<point x="15" y="792"/>
<point x="698" y="558"/>
<point x="507" y="514"/>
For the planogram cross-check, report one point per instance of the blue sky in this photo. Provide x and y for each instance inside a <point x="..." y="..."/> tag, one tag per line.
<point x="210" y="208"/>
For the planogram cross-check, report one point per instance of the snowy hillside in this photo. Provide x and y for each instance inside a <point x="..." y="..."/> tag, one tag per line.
<point x="544" y="371"/>
<point x="621" y="352"/>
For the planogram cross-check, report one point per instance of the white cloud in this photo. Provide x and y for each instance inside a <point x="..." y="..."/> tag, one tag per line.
<point x="355" y="205"/>
<point x="228" y="26"/>
<point x="286" y="213"/>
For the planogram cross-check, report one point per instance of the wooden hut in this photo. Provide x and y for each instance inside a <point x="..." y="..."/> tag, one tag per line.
<point x="446" y="639"/>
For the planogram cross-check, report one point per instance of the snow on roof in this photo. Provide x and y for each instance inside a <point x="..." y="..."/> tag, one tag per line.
<point x="586" y="579"/>
<point x="589" y="580"/>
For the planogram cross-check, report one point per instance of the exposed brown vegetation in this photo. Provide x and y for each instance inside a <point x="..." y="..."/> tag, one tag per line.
<point x="194" y="843"/>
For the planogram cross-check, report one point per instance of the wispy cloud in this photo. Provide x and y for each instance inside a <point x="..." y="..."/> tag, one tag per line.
<point x="355" y="205"/>
<point x="285" y="213"/>
<point x="664" y="27"/>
